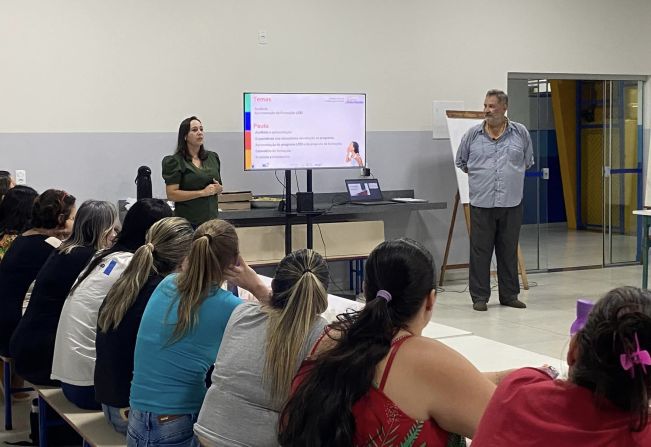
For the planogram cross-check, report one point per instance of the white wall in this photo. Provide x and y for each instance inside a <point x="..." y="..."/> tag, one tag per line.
<point x="140" y="66"/>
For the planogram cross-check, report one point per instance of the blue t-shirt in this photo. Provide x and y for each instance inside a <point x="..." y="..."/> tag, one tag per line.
<point x="170" y="378"/>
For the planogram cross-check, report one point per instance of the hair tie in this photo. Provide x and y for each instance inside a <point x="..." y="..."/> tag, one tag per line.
<point x="206" y="235"/>
<point x="639" y="357"/>
<point x="383" y="294"/>
<point x="308" y="270"/>
<point x="150" y="246"/>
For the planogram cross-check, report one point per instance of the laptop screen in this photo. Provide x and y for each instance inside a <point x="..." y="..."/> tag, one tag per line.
<point x="364" y="190"/>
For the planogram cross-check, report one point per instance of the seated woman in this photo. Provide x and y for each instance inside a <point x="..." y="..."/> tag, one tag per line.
<point x="604" y="402"/>
<point x="6" y="183"/>
<point x="32" y="343"/>
<point x="53" y="213"/>
<point x="262" y="348"/>
<point x="74" y="348"/>
<point x="167" y="244"/>
<point x="373" y="379"/>
<point x="180" y="334"/>
<point x="15" y="215"/>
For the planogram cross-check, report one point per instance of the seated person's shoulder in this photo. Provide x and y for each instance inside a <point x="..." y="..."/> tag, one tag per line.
<point x="325" y="342"/>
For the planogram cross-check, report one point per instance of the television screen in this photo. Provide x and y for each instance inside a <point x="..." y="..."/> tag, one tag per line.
<point x="304" y="130"/>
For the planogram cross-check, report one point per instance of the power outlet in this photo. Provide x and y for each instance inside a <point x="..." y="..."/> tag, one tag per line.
<point x="21" y="177"/>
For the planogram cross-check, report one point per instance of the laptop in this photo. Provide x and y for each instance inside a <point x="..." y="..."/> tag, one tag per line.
<point x="365" y="192"/>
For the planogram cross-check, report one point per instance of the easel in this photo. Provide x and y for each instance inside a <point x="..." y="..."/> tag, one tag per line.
<point x="466" y="211"/>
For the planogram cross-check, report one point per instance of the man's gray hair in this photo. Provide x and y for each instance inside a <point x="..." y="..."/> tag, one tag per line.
<point x="501" y="96"/>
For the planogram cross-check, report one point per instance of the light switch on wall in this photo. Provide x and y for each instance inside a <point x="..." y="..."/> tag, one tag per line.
<point x="21" y="177"/>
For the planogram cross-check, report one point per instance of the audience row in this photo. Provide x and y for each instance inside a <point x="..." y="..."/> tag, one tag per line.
<point x="130" y="318"/>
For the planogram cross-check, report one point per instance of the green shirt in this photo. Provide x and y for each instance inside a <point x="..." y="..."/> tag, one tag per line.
<point x="178" y="171"/>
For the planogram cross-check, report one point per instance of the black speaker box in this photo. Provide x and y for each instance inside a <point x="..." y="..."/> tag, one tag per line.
<point x="304" y="201"/>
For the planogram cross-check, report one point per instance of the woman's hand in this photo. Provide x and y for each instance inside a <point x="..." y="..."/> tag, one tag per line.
<point x="213" y="189"/>
<point x="245" y="277"/>
<point x="218" y="186"/>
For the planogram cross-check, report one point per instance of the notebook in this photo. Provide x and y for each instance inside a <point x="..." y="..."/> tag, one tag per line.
<point x="365" y="192"/>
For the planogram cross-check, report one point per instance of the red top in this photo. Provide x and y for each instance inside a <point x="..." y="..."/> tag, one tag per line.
<point x="380" y="422"/>
<point x="529" y="408"/>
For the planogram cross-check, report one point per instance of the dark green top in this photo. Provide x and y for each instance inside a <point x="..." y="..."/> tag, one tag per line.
<point x="178" y="171"/>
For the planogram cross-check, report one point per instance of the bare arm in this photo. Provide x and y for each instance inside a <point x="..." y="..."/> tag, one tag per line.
<point x="459" y="392"/>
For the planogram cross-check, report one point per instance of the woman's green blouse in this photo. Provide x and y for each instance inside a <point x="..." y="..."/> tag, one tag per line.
<point x="178" y="171"/>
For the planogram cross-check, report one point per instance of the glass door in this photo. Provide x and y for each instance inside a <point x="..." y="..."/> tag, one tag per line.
<point x="530" y="104"/>
<point x="622" y="170"/>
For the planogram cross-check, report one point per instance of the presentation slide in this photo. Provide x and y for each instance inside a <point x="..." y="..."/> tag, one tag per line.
<point x="304" y="131"/>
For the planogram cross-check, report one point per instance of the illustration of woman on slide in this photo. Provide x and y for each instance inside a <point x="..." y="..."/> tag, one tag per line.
<point x="352" y="154"/>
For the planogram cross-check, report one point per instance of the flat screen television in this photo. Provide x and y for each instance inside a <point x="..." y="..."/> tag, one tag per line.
<point x="304" y="131"/>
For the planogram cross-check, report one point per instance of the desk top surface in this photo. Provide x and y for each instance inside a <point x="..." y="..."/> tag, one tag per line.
<point x="330" y="207"/>
<point x="490" y="355"/>
<point x="642" y="212"/>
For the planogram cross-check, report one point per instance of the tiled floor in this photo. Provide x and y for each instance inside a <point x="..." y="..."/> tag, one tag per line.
<point x="551" y="299"/>
<point x="20" y="422"/>
<point x="562" y="248"/>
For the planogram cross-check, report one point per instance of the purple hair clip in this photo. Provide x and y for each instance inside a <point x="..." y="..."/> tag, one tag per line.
<point x="383" y="294"/>
<point x="583" y="308"/>
<point x="639" y="357"/>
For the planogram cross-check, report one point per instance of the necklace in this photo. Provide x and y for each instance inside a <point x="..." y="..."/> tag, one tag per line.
<point x="499" y="133"/>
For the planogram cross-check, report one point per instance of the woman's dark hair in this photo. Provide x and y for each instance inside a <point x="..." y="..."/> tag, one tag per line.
<point x="140" y="217"/>
<point x="355" y="147"/>
<point x="5" y="182"/>
<point x="320" y="412"/>
<point x="52" y="208"/>
<point x="182" y="144"/>
<point x="16" y="210"/>
<point x="611" y="330"/>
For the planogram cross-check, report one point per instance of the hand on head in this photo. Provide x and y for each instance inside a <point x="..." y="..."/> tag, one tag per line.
<point x="245" y="277"/>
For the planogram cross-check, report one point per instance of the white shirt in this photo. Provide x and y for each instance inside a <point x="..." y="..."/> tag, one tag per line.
<point x="74" y="348"/>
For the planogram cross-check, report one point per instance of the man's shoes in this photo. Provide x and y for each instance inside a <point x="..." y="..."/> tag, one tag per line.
<point x="480" y="306"/>
<point x="515" y="303"/>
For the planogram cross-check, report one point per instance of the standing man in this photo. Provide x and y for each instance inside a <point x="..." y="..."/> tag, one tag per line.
<point x="495" y="155"/>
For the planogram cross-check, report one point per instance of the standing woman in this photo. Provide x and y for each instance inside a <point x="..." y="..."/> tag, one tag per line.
<point x="192" y="175"/>
<point x="32" y="344"/>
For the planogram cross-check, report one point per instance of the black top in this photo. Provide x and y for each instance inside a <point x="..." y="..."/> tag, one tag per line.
<point x="18" y="269"/>
<point x="114" y="362"/>
<point x="32" y="345"/>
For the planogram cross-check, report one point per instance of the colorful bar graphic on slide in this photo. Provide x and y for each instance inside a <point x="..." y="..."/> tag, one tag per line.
<point x="247" y="131"/>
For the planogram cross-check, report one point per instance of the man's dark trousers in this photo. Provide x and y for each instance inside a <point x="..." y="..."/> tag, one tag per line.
<point x="497" y="228"/>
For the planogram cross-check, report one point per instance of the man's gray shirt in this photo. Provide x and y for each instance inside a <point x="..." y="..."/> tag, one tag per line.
<point x="495" y="168"/>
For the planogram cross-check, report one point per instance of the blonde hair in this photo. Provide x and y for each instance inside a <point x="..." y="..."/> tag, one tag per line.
<point x="299" y="295"/>
<point x="214" y="248"/>
<point x="167" y="244"/>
